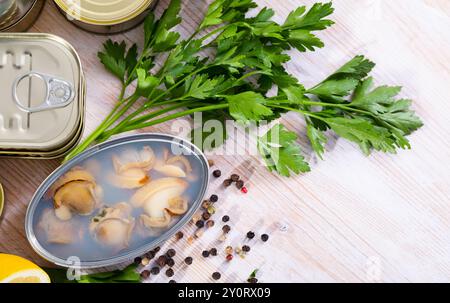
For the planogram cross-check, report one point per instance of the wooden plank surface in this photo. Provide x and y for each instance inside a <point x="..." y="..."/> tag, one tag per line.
<point x="352" y="219"/>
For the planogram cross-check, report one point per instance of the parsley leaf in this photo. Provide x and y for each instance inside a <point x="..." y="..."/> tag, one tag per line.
<point x="317" y="139"/>
<point x="117" y="60"/>
<point x="248" y="106"/>
<point x="281" y="153"/>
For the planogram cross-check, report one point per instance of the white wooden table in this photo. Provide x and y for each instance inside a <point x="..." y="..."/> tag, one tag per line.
<point x="352" y="219"/>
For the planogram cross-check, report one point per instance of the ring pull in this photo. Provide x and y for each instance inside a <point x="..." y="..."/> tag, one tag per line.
<point x="59" y="93"/>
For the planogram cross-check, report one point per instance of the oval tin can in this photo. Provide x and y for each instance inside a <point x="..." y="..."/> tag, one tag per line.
<point x="35" y="211"/>
<point x="42" y="115"/>
<point x="19" y="15"/>
<point x="106" y="17"/>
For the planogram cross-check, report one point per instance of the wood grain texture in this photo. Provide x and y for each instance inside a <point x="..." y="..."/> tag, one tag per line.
<point x="352" y="219"/>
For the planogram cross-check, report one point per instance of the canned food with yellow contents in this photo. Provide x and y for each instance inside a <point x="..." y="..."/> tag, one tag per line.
<point x="106" y="17"/>
<point x="2" y="199"/>
<point x="42" y="115"/>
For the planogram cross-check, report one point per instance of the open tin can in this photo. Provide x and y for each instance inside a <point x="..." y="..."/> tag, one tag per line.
<point x="43" y="105"/>
<point x="106" y="17"/>
<point x="130" y="214"/>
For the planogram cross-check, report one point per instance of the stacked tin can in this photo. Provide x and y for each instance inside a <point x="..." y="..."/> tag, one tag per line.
<point x="19" y="15"/>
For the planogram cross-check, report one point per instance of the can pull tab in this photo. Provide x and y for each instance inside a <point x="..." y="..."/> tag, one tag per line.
<point x="59" y="93"/>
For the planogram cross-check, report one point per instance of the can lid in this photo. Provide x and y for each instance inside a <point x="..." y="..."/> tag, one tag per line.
<point x="43" y="111"/>
<point x="103" y="12"/>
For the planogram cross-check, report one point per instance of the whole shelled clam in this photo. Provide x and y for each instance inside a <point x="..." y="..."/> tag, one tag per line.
<point x="131" y="168"/>
<point x="113" y="225"/>
<point x="161" y="199"/>
<point x="75" y="192"/>
<point x="57" y="230"/>
<point x="169" y="167"/>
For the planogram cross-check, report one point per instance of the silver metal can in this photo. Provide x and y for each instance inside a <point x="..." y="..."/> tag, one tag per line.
<point x="42" y="113"/>
<point x="88" y="252"/>
<point x="19" y="15"/>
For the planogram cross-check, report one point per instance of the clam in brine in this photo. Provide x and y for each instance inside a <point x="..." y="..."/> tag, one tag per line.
<point x="117" y="200"/>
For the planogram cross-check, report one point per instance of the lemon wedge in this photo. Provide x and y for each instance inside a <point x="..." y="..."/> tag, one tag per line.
<point x="14" y="269"/>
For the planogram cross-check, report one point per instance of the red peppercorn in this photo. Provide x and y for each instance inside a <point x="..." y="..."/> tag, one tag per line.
<point x="244" y="190"/>
<point x="229" y="258"/>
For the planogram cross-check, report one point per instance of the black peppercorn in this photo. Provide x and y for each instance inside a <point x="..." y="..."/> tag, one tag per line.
<point x="138" y="260"/>
<point x="246" y="248"/>
<point x="172" y="282"/>
<point x="200" y="223"/>
<point x="265" y="237"/>
<point x="213" y="198"/>
<point x="206" y="215"/>
<point x="217" y="173"/>
<point x="145" y="274"/>
<point x="179" y="235"/>
<point x="188" y="260"/>
<point x="170" y="272"/>
<point x="156" y="249"/>
<point x="239" y="184"/>
<point x="226" y="228"/>
<point x="216" y="275"/>
<point x="213" y="251"/>
<point x="154" y="270"/>
<point x="161" y="261"/>
<point x="250" y="235"/>
<point x="171" y="253"/>
<point x="225" y="218"/>
<point x="150" y="255"/>
<point x="205" y="254"/>
<point x="234" y="177"/>
<point x="227" y="182"/>
<point x="252" y="280"/>
<point x="170" y="262"/>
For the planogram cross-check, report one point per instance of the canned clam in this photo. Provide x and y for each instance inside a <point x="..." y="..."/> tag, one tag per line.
<point x="43" y="105"/>
<point x="117" y="200"/>
<point x="104" y="16"/>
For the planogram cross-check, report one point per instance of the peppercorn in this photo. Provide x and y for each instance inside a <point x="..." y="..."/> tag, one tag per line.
<point x="229" y="250"/>
<point x="206" y="216"/>
<point x="210" y="223"/>
<point x="179" y="235"/>
<point x="145" y="274"/>
<point x="264" y="237"/>
<point x="188" y="260"/>
<point x="227" y="182"/>
<point x="223" y="238"/>
<point x="216" y="275"/>
<point x="213" y="251"/>
<point x="172" y="282"/>
<point x="199" y="233"/>
<point x="213" y="198"/>
<point x="240" y="184"/>
<point x="234" y="177"/>
<point x="170" y="272"/>
<point x="145" y="261"/>
<point x="250" y="235"/>
<point x="211" y="210"/>
<point x="225" y="218"/>
<point x="156" y="249"/>
<point x="200" y="223"/>
<point x="217" y="173"/>
<point x="171" y="253"/>
<point x="226" y="228"/>
<point x="161" y="261"/>
<point x="150" y="255"/>
<point x="246" y="248"/>
<point x="190" y="240"/>
<point x="206" y="204"/>
<point x="205" y="254"/>
<point x="210" y="162"/>
<point x="196" y="218"/>
<point x="244" y="190"/>
<point x="155" y="270"/>
<point x="229" y="258"/>
<point x="138" y="260"/>
<point x="170" y="262"/>
<point x="252" y="280"/>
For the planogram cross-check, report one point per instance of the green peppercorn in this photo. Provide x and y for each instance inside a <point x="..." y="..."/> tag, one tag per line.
<point x="211" y="210"/>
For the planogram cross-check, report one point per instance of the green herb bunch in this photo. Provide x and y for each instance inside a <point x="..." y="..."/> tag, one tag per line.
<point x="246" y="59"/>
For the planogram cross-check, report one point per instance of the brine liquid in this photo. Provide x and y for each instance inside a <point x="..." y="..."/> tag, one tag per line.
<point x="88" y="249"/>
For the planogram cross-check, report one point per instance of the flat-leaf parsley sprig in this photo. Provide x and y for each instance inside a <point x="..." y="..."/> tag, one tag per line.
<point x="246" y="59"/>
